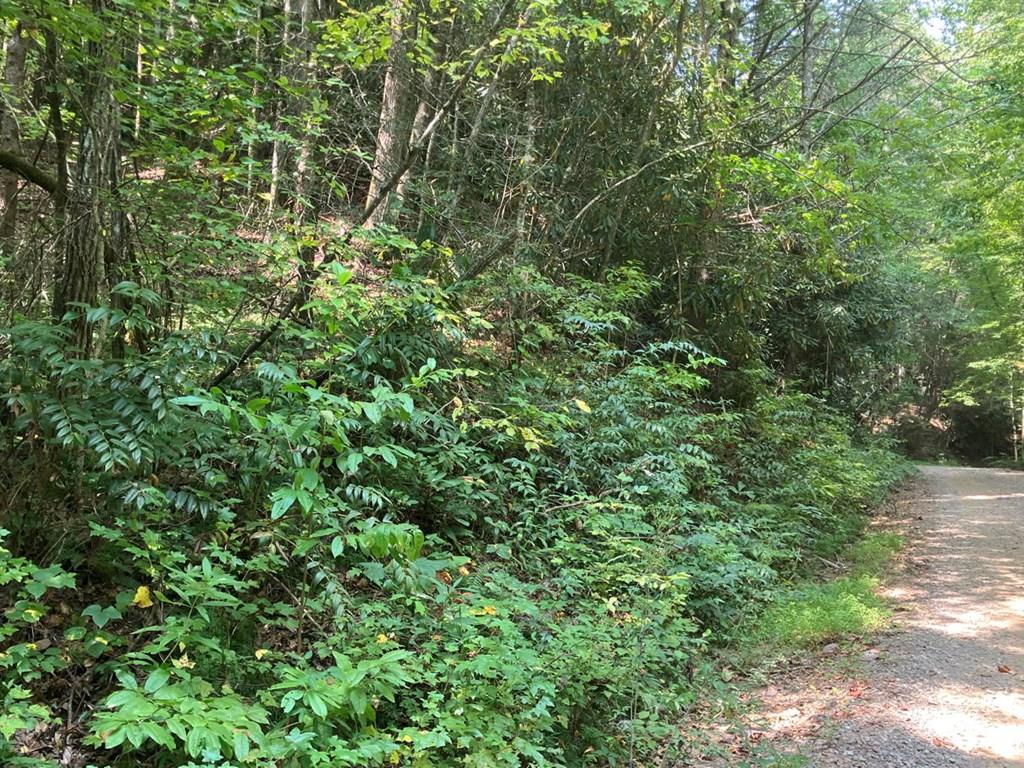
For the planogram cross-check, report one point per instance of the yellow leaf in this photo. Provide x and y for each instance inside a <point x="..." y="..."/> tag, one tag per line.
<point x="184" y="662"/>
<point x="582" y="405"/>
<point x="142" y="598"/>
<point x="260" y="653"/>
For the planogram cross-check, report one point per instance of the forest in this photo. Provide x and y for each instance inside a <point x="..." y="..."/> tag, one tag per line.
<point x="448" y="382"/>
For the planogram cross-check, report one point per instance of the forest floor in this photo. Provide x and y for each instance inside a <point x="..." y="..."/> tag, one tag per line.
<point x="944" y="687"/>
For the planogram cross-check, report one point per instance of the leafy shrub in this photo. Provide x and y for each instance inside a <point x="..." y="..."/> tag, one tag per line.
<point x="383" y="545"/>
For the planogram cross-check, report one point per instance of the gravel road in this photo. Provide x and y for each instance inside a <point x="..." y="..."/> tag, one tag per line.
<point x="947" y="688"/>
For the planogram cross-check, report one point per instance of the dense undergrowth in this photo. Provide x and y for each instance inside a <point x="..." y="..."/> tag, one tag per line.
<point x="392" y="546"/>
<point x="458" y="383"/>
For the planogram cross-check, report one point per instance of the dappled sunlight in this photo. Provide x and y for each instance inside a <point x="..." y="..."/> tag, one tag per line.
<point x="972" y="720"/>
<point x="947" y="687"/>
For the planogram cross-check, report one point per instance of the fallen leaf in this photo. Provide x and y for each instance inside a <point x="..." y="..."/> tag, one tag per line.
<point x="1004" y="669"/>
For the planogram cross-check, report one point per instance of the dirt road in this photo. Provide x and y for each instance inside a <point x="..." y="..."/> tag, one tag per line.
<point x="947" y="688"/>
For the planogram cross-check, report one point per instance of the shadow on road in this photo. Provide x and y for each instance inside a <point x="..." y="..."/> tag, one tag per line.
<point x="948" y="687"/>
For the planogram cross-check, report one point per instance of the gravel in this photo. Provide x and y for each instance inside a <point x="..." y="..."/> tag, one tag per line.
<point x="945" y="689"/>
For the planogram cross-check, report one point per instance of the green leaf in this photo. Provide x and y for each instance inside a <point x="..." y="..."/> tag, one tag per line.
<point x="316" y="703"/>
<point x="283" y="500"/>
<point x="102" y="616"/>
<point x="240" y="746"/>
<point x="157" y="680"/>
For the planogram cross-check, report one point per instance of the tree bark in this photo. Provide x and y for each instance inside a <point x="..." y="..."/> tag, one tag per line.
<point x="395" y="129"/>
<point x="14" y="82"/>
<point x="278" y="150"/>
<point x="305" y="75"/>
<point x="807" y="69"/>
<point x="90" y="253"/>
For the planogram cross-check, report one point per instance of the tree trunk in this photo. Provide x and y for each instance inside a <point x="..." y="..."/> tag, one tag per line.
<point x="89" y="251"/>
<point x="14" y="82"/>
<point x="807" y="71"/>
<point x="278" y="151"/>
<point x="306" y="202"/>
<point x="419" y="124"/>
<point x="395" y="128"/>
<point x="304" y="73"/>
<point x="526" y="164"/>
<point x="55" y="106"/>
<point x="730" y="16"/>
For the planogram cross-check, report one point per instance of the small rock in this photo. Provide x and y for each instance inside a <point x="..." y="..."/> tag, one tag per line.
<point x="830" y="650"/>
<point x="871" y="654"/>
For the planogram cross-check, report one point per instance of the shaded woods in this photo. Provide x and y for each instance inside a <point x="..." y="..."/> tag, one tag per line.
<point x="441" y="384"/>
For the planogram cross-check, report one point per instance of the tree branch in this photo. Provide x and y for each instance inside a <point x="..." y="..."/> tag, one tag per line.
<point x="27" y="171"/>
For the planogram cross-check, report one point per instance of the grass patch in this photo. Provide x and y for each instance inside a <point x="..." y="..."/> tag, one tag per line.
<point x="787" y="761"/>
<point x="813" y="614"/>
<point x="871" y="555"/>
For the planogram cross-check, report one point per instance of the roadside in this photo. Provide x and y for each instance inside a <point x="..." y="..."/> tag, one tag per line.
<point x="942" y="687"/>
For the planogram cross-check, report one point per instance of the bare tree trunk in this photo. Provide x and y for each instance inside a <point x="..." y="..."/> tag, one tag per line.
<point x="14" y="82"/>
<point x="306" y="203"/>
<point x="277" y="156"/>
<point x="55" y="105"/>
<point x="807" y="69"/>
<point x="303" y="73"/>
<point x="419" y="123"/>
<point x="730" y="15"/>
<point x="88" y="253"/>
<point x="526" y="164"/>
<point x="250" y="150"/>
<point x="140" y="82"/>
<point x="395" y="130"/>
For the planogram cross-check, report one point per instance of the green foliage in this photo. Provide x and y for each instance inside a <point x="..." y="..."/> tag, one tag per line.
<point x="289" y="491"/>
<point x="815" y="614"/>
<point x="23" y="663"/>
<point x="367" y="556"/>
